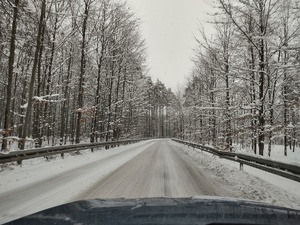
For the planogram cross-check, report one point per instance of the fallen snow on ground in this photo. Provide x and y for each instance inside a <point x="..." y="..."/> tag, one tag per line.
<point x="14" y="176"/>
<point x="252" y="184"/>
<point x="276" y="154"/>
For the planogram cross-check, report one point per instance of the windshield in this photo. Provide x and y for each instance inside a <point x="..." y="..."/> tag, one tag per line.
<point x="148" y="98"/>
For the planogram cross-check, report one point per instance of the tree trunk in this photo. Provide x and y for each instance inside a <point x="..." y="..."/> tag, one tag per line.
<point x="116" y="126"/>
<point x="111" y="82"/>
<point x="261" y="116"/>
<point x="37" y="131"/>
<point x="285" y="76"/>
<point x="64" y="114"/>
<point x="31" y="85"/>
<point x="252" y="85"/>
<point x="82" y="73"/>
<point x="214" y="133"/>
<point x="228" y="119"/>
<point x="7" y="126"/>
<point x="94" y="136"/>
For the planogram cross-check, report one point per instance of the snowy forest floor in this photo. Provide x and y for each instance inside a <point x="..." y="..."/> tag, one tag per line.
<point x="276" y="154"/>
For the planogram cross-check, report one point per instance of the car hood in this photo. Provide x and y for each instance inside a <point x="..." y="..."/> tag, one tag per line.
<point x="194" y="210"/>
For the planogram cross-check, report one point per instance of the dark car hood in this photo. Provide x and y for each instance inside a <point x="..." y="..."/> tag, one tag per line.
<point x="196" y="210"/>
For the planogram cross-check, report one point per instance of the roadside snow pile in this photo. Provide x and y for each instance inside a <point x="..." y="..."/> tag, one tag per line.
<point x="242" y="184"/>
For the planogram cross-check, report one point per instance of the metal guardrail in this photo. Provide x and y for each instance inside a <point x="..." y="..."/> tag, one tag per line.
<point x="53" y="150"/>
<point x="282" y="169"/>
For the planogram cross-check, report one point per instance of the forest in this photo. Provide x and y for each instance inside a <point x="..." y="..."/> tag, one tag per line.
<point x="245" y="85"/>
<point x="76" y="70"/>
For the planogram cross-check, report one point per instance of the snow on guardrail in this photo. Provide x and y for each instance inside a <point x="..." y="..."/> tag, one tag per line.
<point x="279" y="168"/>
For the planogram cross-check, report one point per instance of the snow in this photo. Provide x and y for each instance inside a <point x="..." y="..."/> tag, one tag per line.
<point x="13" y="138"/>
<point x="59" y="185"/>
<point x="37" y="98"/>
<point x="13" y="176"/>
<point x="292" y="158"/>
<point x="24" y="106"/>
<point x="248" y="107"/>
<point x="46" y="98"/>
<point x="251" y="183"/>
<point x="204" y="108"/>
<point x="35" y="174"/>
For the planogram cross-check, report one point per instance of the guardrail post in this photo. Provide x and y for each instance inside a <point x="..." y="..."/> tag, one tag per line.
<point x="241" y="166"/>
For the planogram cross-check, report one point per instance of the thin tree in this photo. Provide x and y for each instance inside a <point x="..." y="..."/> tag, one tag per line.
<point x="32" y="79"/>
<point x="82" y="70"/>
<point x="7" y="115"/>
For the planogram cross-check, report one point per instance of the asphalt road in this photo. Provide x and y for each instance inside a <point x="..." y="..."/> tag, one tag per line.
<point x="161" y="170"/>
<point x="156" y="168"/>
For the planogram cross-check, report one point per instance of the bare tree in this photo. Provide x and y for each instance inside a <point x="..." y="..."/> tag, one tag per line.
<point x="7" y="116"/>
<point x="32" y="79"/>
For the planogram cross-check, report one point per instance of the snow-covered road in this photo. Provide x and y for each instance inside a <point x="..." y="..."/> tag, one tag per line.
<point x="153" y="168"/>
<point x="160" y="171"/>
<point x="147" y="169"/>
<point x="38" y="185"/>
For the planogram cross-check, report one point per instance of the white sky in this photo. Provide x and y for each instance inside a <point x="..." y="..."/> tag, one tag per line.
<point x="169" y="26"/>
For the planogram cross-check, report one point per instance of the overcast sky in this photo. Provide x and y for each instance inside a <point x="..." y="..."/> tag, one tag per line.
<point x="168" y="27"/>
